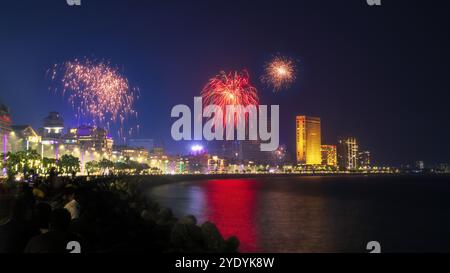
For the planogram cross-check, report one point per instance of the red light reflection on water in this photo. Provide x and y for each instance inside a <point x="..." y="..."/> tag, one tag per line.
<point x="231" y="206"/>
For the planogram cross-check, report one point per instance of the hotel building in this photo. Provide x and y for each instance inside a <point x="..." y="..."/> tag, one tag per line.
<point x="308" y="140"/>
<point x="329" y="155"/>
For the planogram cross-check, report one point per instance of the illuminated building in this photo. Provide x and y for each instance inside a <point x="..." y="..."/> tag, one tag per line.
<point x="329" y="155"/>
<point x="5" y="130"/>
<point x="24" y="138"/>
<point x="217" y="165"/>
<point x="52" y="133"/>
<point x="180" y="165"/>
<point x="88" y="143"/>
<point x="308" y="140"/>
<point x="364" y="159"/>
<point x="348" y="153"/>
<point x="158" y="152"/>
<point x="159" y="163"/>
<point x="132" y="153"/>
<point x="53" y="126"/>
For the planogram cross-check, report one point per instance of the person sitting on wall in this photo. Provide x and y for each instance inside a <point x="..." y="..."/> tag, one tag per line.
<point x="72" y="204"/>
<point x="56" y="239"/>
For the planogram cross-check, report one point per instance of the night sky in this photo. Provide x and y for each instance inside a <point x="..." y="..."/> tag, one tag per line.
<point x="378" y="73"/>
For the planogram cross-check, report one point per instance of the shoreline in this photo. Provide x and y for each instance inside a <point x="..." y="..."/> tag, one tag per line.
<point x="151" y="181"/>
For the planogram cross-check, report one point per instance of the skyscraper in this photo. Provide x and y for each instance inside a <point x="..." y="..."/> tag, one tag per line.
<point x="329" y="155"/>
<point x="348" y="153"/>
<point x="308" y="140"/>
<point x="364" y="159"/>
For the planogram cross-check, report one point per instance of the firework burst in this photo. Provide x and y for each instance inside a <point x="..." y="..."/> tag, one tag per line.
<point x="97" y="91"/>
<point x="233" y="88"/>
<point x="279" y="73"/>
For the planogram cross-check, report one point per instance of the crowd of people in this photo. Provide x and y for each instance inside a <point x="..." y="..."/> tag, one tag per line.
<point x="107" y="214"/>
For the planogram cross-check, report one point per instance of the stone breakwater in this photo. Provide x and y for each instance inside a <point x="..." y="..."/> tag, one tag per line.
<point x="117" y="216"/>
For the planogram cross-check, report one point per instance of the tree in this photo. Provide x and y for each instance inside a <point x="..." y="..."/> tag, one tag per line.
<point x="121" y="167"/>
<point x="92" y="167"/>
<point x="105" y="165"/>
<point x="69" y="164"/>
<point x="21" y="162"/>
<point x="48" y="164"/>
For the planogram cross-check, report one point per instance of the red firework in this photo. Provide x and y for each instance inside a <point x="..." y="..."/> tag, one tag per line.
<point x="233" y="88"/>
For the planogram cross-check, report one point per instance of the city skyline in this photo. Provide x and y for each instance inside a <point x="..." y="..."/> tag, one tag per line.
<point x="352" y="90"/>
<point x="92" y="143"/>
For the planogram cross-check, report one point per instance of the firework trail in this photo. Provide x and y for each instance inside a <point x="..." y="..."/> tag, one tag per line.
<point x="233" y="88"/>
<point x="279" y="73"/>
<point x="97" y="91"/>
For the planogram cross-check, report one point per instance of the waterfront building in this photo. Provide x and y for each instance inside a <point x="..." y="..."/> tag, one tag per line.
<point x="329" y="155"/>
<point x="217" y="165"/>
<point x="139" y="154"/>
<point x="180" y="165"/>
<point x="88" y="143"/>
<point x="348" y="151"/>
<point x="24" y="137"/>
<point x="364" y="159"/>
<point x="308" y="140"/>
<point x="159" y="162"/>
<point x="53" y="126"/>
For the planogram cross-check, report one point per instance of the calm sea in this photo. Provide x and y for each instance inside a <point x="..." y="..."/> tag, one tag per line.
<point x="320" y="214"/>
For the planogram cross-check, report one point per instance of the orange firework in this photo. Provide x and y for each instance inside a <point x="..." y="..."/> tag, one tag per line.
<point x="279" y="73"/>
<point x="97" y="91"/>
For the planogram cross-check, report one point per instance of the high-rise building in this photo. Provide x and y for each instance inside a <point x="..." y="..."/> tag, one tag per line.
<point x="364" y="159"/>
<point x="348" y="153"/>
<point x="308" y="140"/>
<point x="329" y="155"/>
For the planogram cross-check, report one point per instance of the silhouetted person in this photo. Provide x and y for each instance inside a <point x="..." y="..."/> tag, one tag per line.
<point x="16" y="232"/>
<point x="72" y="204"/>
<point x="41" y="217"/>
<point x="54" y="241"/>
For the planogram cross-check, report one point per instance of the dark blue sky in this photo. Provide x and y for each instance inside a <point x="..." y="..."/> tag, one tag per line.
<point x="379" y="73"/>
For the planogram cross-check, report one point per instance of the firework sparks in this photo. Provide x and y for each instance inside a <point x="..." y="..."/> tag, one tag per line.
<point x="233" y="88"/>
<point x="97" y="91"/>
<point x="279" y="73"/>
